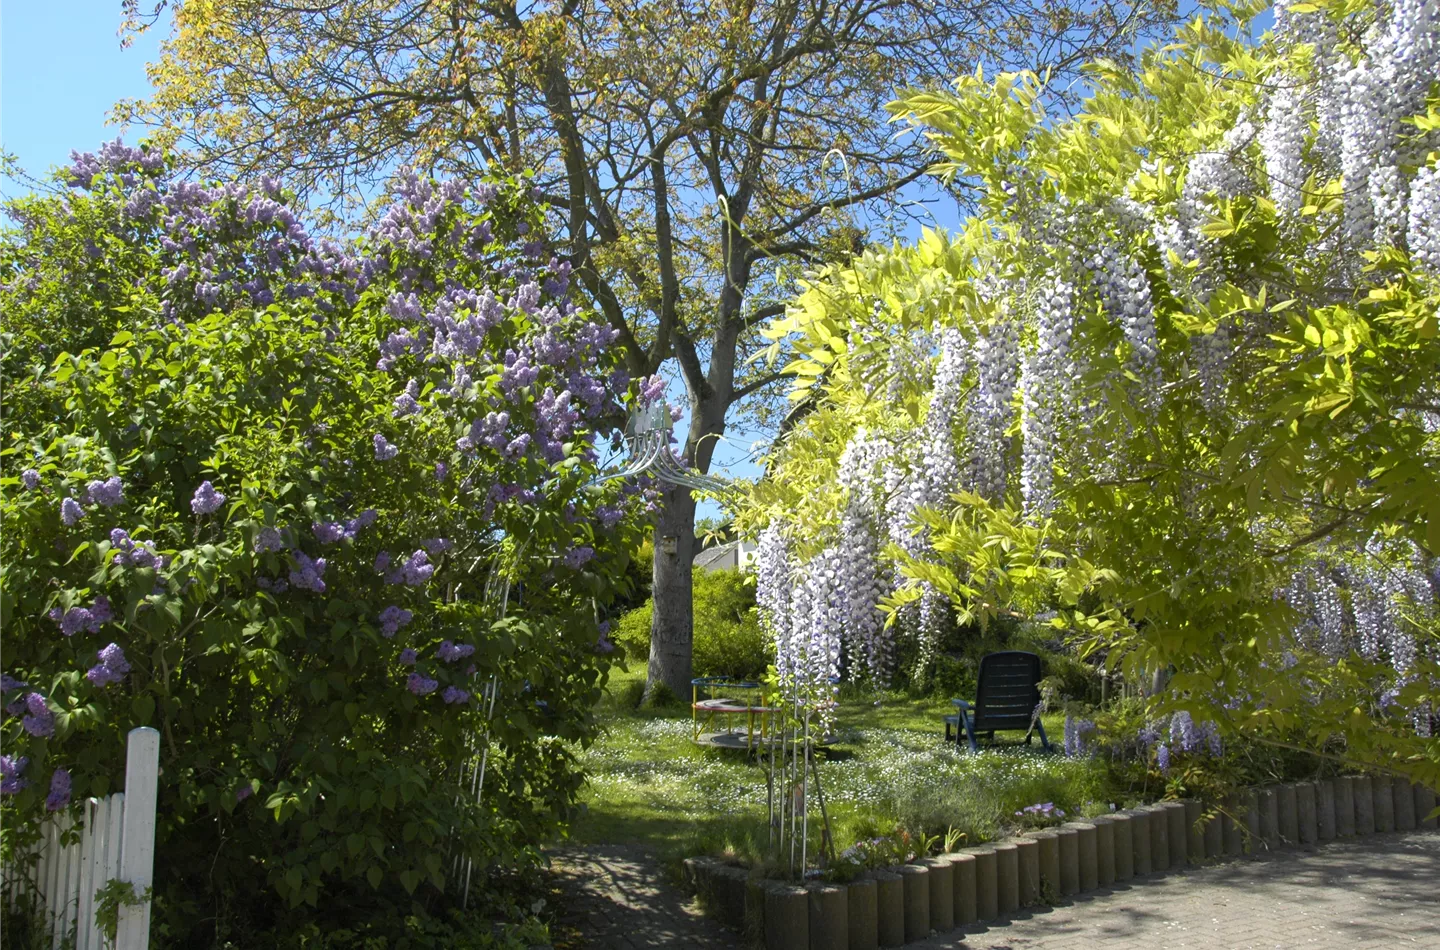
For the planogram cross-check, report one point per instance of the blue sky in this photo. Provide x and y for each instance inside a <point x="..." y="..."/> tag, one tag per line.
<point x="61" y="69"/>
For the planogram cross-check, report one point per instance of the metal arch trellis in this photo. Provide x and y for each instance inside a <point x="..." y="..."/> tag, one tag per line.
<point x="648" y="436"/>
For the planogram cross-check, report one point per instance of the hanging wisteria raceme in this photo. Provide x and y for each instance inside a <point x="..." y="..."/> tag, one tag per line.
<point x="1046" y="379"/>
<point x="773" y="581"/>
<point x="1125" y="294"/>
<point x="1383" y="87"/>
<point x="1282" y="142"/>
<point x="1313" y="594"/>
<point x="939" y="467"/>
<point x="867" y="646"/>
<point x="808" y="648"/>
<point x="1422" y="227"/>
<point x="997" y="370"/>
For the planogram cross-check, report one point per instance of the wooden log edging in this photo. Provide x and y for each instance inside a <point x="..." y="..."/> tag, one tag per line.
<point x="892" y="907"/>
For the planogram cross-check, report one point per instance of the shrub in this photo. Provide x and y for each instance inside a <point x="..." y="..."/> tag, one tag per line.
<point x="256" y="506"/>
<point x="728" y="640"/>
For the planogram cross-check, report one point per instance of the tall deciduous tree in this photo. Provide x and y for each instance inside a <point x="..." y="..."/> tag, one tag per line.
<point x="683" y="143"/>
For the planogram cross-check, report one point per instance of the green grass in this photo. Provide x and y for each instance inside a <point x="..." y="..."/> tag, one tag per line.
<point x="649" y="784"/>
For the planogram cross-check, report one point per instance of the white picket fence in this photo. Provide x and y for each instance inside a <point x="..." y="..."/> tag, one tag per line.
<point x="116" y="841"/>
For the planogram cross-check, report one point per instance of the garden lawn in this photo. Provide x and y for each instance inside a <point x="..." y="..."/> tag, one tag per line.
<point x="650" y="784"/>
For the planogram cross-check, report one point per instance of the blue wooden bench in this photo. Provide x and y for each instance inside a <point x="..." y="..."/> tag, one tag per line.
<point x="1005" y="699"/>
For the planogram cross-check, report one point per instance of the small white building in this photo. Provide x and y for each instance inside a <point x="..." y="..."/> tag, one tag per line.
<point x="735" y="556"/>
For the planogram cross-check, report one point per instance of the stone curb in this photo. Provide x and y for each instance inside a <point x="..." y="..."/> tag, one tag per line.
<point x="889" y="908"/>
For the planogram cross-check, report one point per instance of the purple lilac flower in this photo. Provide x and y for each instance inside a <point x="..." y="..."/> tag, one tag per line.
<point x="609" y="515"/>
<point x="308" y="574"/>
<point x="112" y="666"/>
<point x="357" y="524"/>
<point x="442" y="471"/>
<point x="59" y="795"/>
<point x="70" y="511"/>
<point x="420" y="685"/>
<point x="9" y="683"/>
<point x="384" y="451"/>
<point x="206" y="499"/>
<point x="451" y="652"/>
<point x="408" y="656"/>
<point x="74" y="620"/>
<point x="407" y="403"/>
<point x="437" y="546"/>
<point x="392" y="618"/>
<point x="243" y="792"/>
<point x="453" y="694"/>
<point x="328" y="532"/>
<point x="652" y="389"/>
<point x="1162" y="758"/>
<point x="268" y="539"/>
<point x="30" y="478"/>
<point x="11" y="768"/>
<point x="41" y="721"/>
<point x="417" y="569"/>
<point x="576" y="558"/>
<point x="603" y="644"/>
<point x="109" y="492"/>
<point x="382" y="562"/>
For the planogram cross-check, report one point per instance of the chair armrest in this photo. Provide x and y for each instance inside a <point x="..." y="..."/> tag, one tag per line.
<point x="962" y="704"/>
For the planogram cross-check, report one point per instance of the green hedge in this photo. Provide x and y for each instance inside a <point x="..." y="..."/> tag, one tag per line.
<point x="728" y="638"/>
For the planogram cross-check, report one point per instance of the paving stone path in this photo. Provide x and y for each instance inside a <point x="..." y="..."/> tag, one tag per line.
<point x="620" y="897"/>
<point x="1381" y="891"/>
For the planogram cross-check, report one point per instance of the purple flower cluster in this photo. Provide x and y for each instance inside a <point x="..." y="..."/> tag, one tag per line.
<point x="268" y="539"/>
<point x="133" y="554"/>
<point x="114" y="156"/>
<point x="206" y="499"/>
<point x="76" y="619"/>
<point x="408" y="402"/>
<point x="59" y="795"/>
<point x="384" y="451"/>
<point x="577" y="558"/>
<point x="417" y="570"/>
<point x="276" y="586"/>
<point x="437" y="546"/>
<point x="454" y="694"/>
<point x="453" y="652"/>
<point x="30" y="478"/>
<point x="308" y="574"/>
<point x="333" y="531"/>
<point x="408" y="656"/>
<point x="1077" y="733"/>
<point x="420" y="685"/>
<point x="71" y="512"/>
<point x="41" y="721"/>
<point x="107" y="493"/>
<point x="1043" y="810"/>
<point x="392" y="618"/>
<point x="112" y="666"/>
<point x="11" y="768"/>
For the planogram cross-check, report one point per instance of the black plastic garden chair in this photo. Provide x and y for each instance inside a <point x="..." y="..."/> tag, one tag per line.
<point x="1005" y="699"/>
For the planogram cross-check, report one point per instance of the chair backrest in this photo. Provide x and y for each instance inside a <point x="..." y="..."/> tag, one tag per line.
<point x="1008" y="691"/>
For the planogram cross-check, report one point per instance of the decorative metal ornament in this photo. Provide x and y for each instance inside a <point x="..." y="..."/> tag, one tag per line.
<point x="648" y="435"/>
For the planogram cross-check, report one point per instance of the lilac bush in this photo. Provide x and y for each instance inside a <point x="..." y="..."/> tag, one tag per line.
<point x="220" y="428"/>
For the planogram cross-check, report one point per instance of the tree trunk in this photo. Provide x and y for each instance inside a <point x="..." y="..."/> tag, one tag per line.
<point x="674" y="616"/>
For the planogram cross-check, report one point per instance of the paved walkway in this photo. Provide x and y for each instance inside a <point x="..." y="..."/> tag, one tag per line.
<point x="617" y="897"/>
<point x="1380" y="892"/>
